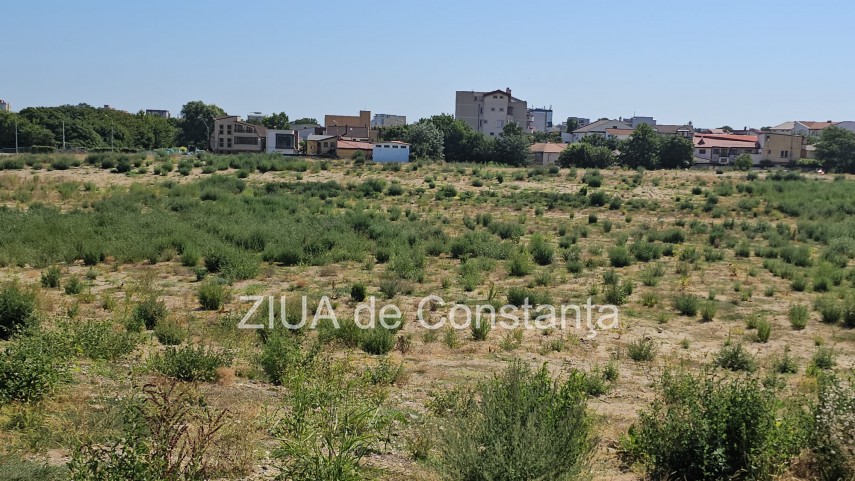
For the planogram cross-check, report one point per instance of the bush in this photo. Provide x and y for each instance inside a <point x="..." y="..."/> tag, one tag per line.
<point x="687" y="304"/>
<point x="191" y="363"/>
<point x="735" y="358"/>
<point x="17" y="309"/>
<point x="51" y="277"/>
<point x="31" y="367"/>
<point x="798" y="316"/>
<point x="764" y="330"/>
<point x="705" y="427"/>
<point x="517" y="296"/>
<point x="283" y="356"/>
<point x="492" y="434"/>
<point x="149" y="312"/>
<point x="645" y="251"/>
<point x="170" y="333"/>
<point x="619" y="257"/>
<point x="211" y="295"/>
<point x="377" y="340"/>
<point x="73" y="286"/>
<point x="708" y="310"/>
<point x="520" y="265"/>
<point x="358" y="292"/>
<point x="829" y="309"/>
<point x="641" y="350"/>
<point x="832" y="440"/>
<point x="480" y="329"/>
<point x="540" y="250"/>
<point x="100" y="340"/>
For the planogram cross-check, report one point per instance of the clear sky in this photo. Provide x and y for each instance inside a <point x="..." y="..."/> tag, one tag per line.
<point x="748" y="62"/>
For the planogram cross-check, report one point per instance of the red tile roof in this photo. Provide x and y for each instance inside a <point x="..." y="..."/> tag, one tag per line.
<point x="617" y="132"/>
<point x="548" y="148"/>
<point x="725" y="140"/>
<point x="817" y="125"/>
<point x="351" y="144"/>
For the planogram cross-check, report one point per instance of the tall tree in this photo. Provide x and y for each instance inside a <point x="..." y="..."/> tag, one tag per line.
<point x="676" y="152"/>
<point x="572" y="124"/>
<point x="197" y="122"/>
<point x="836" y="149"/>
<point x="586" y="156"/>
<point x="512" y="147"/>
<point x="425" y="140"/>
<point x="276" y="121"/>
<point x="641" y="149"/>
<point x="306" y="120"/>
<point x="28" y="133"/>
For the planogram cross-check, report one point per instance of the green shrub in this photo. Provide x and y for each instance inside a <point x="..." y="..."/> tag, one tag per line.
<point x="831" y="441"/>
<point x="687" y="304"/>
<point x="31" y="367"/>
<point x="480" y="329"/>
<point x="13" y="468"/>
<point x="520" y="265"/>
<point x="358" y="292"/>
<point x="708" y="310"/>
<point x="170" y="333"/>
<point x="735" y="358"/>
<point x="211" y="295"/>
<point x="540" y="250"/>
<point x="191" y="363"/>
<point x="706" y="427"/>
<point x="823" y="359"/>
<point x="100" y="340"/>
<point x="73" y="286"/>
<point x="492" y="434"/>
<point x="17" y="309"/>
<point x="764" y="329"/>
<point x="645" y="251"/>
<point x="798" y="316"/>
<point x="283" y="355"/>
<point x="377" y="340"/>
<point x="149" y="312"/>
<point x="619" y="257"/>
<point x="51" y="277"/>
<point x="785" y="364"/>
<point x="517" y="296"/>
<point x="830" y="311"/>
<point x="642" y="350"/>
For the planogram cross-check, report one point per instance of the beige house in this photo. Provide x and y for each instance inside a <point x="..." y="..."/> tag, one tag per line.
<point x="233" y="135"/>
<point x="777" y="148"/>
<point x="356" y="126"/>
<point x="546" y="153"/>
<point x="321" y="144"/>
<point x="489" y="112"/>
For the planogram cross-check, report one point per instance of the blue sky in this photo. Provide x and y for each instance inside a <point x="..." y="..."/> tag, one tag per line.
<point x="749" y="62"/>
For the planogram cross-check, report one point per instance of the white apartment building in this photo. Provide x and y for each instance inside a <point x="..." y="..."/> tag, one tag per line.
<point x="489" y="112"/>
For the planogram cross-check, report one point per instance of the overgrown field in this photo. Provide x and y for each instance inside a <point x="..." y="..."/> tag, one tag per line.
<point x="121" y="356"/>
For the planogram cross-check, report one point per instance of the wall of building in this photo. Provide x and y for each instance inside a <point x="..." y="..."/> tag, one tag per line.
<point x="391" y="152"/>
<point x="293" y="144"/>
<point x="388" y="120"/>
<point x="848" y="125"/>
<point x="226" y="130"/>
<point x="361" y="120"/>
<point x="467" y="105"/>
<point x="778" y="148"/>
<point x="321" y="147"/>
<point x="541" y="119"/>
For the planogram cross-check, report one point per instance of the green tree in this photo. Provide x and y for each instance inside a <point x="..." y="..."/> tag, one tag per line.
<point x="306" y="120"/>
<point x="512" y="147"/>
<point x="676" y="152"/>
<point x="28" y="132"/>
<point x="641" y="149"/>
<point x="836" y="149"/>
<point x="197" y="122"/>
<point x="598" y="140"/>
<point x="396" y="132"/>
<point x="586" y="156"/>
<point x="276" y="121"/>
<point x="572" y="124"/>
<point x="551" y="137"/>
<point x="726" y="128"/>
<point x="743" y="162"/>
<point x="425" y="140"/>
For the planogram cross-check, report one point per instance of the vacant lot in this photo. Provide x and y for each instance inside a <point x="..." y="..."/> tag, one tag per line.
<point x="121" y="298"/>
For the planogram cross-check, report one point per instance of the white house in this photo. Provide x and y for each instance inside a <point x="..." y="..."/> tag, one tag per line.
<point x="391" y="151"/>
<point x="848" y="125"/>
<point x="282" y="142"/>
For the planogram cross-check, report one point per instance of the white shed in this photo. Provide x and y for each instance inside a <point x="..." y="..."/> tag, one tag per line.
<point x="392" y="151"/>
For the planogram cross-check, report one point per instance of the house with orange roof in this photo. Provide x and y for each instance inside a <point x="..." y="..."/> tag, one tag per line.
<point x="546" y="153"/>
<point x="805" y="128"/>
<point x="723" y="149"/>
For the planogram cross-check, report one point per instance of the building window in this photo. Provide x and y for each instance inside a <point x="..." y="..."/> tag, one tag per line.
<point x="229" y="143"/>
<point x="495" y="97"/>
<point x="326" y="144"/>
<point x="785" y="154"/>
<point x="492" y="133"/>
<point x="221" y="142"/>
<point x="492" y="109"/>
<point x="246" y="140"/>
<point x="500" y="123"/>
<point x="702" y="151"/>
<point x="284" y="141"/>
<point x="501" y="109"/>
<point x="716" y="151"/>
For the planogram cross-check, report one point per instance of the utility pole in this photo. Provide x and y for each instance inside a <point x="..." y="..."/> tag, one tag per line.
<point x="63" y="135"/>
<point x="111" y="134"/>
<point x="16" y="136"/>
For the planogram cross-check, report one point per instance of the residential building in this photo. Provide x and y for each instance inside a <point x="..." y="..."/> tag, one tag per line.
<point x="580" y="121"/>
<point x="393" y="151"/>
<point x="848" y="125"/>
<point x="489" y="112"/>
<point x="723" y="148"/>
<point x="546" y="153"/>
<point x="321" y="144"/>
<point x="541" y="119"/>
<point x="357" y="126"/>
<point x="305" y="130"/>
<point x="254" y="117"/>
<point x="388" y="120"/>
<point x="686" y="130"/>
<point x="619" y="134"/>
<point x="233" y="135"/>
<point x="158" y="113"/>
<point x="345" y="149"/>
<point x="598" y="128"/>
<point x="635" y="121"/>
<point x="778" y="149"/>
<point x="5" y="106"/>
<point x="285" y="142"/>
<point x="804" y="128"/>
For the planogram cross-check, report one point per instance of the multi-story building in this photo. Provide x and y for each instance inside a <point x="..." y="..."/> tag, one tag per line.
<point x="802" y="127"/>
<point x="285" y="142"/>
<point x="158" y="113"/>
<point x="489" y="112"/>
<point x="541" y="119"/>
<point x="355" y="126"/>
<point x="254" y="117"/>
<point x="597" y="128"/>
<point x="5" y="106"/>
<point x="232" y="135"/>
<point x="388" y="120"/>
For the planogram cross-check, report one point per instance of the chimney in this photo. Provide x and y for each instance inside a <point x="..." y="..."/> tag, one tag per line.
<point x="508" y="91"/>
